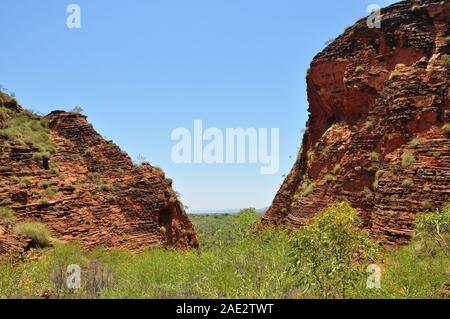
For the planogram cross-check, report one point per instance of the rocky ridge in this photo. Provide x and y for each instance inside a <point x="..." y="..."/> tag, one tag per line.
<point x="84" y="189"/>
<point x="378" y="132"/>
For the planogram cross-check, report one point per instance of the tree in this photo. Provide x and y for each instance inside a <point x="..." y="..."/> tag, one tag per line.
<point x="329" y="252"/>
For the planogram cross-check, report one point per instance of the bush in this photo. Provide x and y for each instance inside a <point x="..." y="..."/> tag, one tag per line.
<point x="435" y="228"/>
<point x="408" y="182"/>
<point x="446" y="129"/>
<point x="324" y="252"/>
<point x="36" y="231"/>
<point x="408" y="158"/>
<point x="25" y="129"/>
<point x="446" y="59"/>
<point x="7" y="214"/>
<point x="329" y="178"/>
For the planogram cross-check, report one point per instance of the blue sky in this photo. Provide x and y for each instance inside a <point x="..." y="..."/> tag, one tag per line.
<point x="140" y="69"/>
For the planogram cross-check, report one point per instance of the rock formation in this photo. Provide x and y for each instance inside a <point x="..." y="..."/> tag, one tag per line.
<point x="59" y="171"/>
<point x="378" y="132"/>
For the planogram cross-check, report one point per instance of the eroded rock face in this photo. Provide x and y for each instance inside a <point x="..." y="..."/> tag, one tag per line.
<point x="88" y="191"/>
<point x="378" y="103"/>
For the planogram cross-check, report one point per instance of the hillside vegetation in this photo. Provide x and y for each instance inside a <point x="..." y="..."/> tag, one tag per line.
<point x="326" y="259"/>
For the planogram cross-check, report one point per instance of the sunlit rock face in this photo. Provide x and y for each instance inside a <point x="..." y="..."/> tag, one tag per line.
<point x="97" y="195"/>
<point x="376" y="137"/>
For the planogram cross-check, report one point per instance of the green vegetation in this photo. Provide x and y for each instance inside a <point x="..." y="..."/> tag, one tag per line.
<point x="445" y="59"/>
<point x="51" y="191"/>
<point x="97" y="179"/>
<point x="323" y="252"/>
<point x="329" y="178"/>
<point x="374" y="156"/>
<point x="408" y="158"/>
<point x="426" y="205"/>
<point x="36" y="231"/>
<point x="336" y="168"/>
<point x="415" y="141"/>
<point x="326" y="259"/>
<point x="407" y="182"/>
<point x="25" y="128"/>
<point x="359" y="69"/>
<point x="417" y="7"/>
<point x="446" y="128"/>
<point x="7" y="214"/>
<point x="394" y="74"/>
<point x="378" y="174"/>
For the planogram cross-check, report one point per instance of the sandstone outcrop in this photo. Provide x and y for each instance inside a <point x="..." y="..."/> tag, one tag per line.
<point x="84" y="189"/>
<point x="378" y="132"/>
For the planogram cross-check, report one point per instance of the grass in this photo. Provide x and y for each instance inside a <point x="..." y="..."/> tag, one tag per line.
<point x="446" y="129"/>
<point x="408" y="158"/>
<point x="407" y="182"/>
<point x="7" y="214"/>
<point x="240" y="260"/>
<point x="378" y="174"/>
<point x="97" y="180"/>
<point x="36" y="231"/>
<point x="374" y="156"/>
<point x="26" y="129"/>
<point x="445" y="59"/>
<point x="359" y="69"/>
<point x="329" y="178"/>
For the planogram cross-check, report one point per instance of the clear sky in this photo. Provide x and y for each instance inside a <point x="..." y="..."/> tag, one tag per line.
<point x="141" y="68"/>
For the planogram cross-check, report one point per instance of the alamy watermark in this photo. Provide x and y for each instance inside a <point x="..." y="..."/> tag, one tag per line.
<point x="374" y="279"/>
<point x="374" y="19"/>
<point x="232" y="146"/>
<point x="74" y="19"/>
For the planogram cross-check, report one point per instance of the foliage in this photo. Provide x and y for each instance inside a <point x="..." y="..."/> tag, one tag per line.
<point x="36" y="231"/>
<point x="408" y="158"/>
<point x="327" y="253"/>
<point x="26" y="129"/>
<point x="7" y="214"/>
<point x="240" y="259"/>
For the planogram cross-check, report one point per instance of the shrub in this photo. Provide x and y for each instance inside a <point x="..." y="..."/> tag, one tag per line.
<point x="308" y="189"/>
<point x="416" y="7"/>
<point x="445" y="59"/>
<point x="25" y="182"/>
<point x="374" y="156"/>
<point x="324" y="252"/>
<point x="6" y="202"/>
<point x="336" y="168"/>
<point x="446" y="128"/>
<point x="25" y="129"/>
<point x="36" y="231"/>
<point x="408" y="158"/>
<point x="415" y="141"/>
<point x="7" y="214"/>
<point x="395" y="74"/>
<point x="433" y="232"/>
<point x="359" y="69"/>
<point x="378" y="174"/>
<point x="106" y="187"/>
<point x="51" y="190"/>
<point x="329" y="178"/>
<point x="426" y="205"/>
<point x="407" y="182"/>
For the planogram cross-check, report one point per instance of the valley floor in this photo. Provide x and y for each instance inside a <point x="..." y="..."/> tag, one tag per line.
<point x="237" y="260"/>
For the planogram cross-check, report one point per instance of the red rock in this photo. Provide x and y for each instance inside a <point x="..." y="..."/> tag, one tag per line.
<point x="371" y="92"/>
<point x="136" y="207"/>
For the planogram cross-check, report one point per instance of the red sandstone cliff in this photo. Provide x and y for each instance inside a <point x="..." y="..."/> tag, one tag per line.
<point x="377" y="134"/>
<point x="96" y="195"/>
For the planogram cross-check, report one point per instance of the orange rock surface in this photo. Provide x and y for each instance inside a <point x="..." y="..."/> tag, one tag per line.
<point x="378" y="103"/>
<point x="100" y="197"/>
